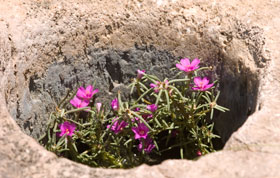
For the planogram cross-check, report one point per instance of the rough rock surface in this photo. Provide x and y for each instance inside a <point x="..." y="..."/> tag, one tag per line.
<point x="58" y="47"/>
<point x="240" y="40"/>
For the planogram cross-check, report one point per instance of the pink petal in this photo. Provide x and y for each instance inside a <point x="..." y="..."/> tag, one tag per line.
<point x="81" y="92"/>
<point x="66" y="125"/>
<point x="179" y="66"/>
<point x="95" y="91"/>
<point x="75" y="102"/>
<point x="98" y="106"/>
<point x="195" y="88"/>
<point x="82" y="89"/>
<point x="62" y="127"/>
<point x="209" y="86"/>
<point x="205" y="81"/>
<point x="153" y="85"/>
<point x="141" y="72"/>
<point x="115" y="104"/>
<point x="152" y="107"/>
<point x="72" y="127"/>
<point x="185" y="62"/>
<point x="140" y="146"/>
<point x="195" y="62"/>
<point x="89" y="88"/>
<point x="135" y="130"/>
<point x="197" y="81"/>
<point x="144" y="127"/>
<point x="61" y="134"/>
<point x="137" y="136"/>
<point x="84" y="103"/>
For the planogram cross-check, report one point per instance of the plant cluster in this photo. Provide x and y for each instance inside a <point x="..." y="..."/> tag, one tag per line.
<point x="170" y="118"/>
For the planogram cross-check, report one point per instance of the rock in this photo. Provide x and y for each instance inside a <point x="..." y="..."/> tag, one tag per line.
<point x="49" y="46"/>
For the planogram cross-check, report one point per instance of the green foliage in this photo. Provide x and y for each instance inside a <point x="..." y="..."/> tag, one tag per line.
<point x="179" y="127"/>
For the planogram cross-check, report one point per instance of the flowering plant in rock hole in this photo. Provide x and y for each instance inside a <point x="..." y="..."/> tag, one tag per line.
<point x="170" y="118"/>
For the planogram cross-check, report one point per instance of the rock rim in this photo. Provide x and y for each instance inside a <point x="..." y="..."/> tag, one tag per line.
<point x="252" y="151"/>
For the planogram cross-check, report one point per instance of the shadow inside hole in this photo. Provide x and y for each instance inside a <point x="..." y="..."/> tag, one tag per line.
<point x="112" y="69"/>
<point x="239" y="91"/>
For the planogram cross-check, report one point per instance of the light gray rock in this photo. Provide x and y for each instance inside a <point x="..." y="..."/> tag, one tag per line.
<point x="46" y="47"/>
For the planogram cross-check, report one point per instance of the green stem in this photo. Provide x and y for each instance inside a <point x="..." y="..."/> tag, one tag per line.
<point x="76" y="110"/>
<point x="143" y="120"/>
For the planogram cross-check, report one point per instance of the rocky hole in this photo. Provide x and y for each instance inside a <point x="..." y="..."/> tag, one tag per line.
<point x="112" y="69"/>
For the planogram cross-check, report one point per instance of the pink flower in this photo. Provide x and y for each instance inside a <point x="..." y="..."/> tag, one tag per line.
<point x="165" y="84"/>
<point x="141" y="131"/>
<point x="140" y="74"/>
<point x="87" y="93"/>
<point x="152" y="107"/>
<point x="147" y="145"/>
<point x="115" y="104"/>
<point x="159" y="85"/>
<point x="147" y="116"/>
<point x="155" y="86"/>
<point x="186" y="66"/>
<point x="201" y="84"/>
<point x="117" y="127"/>
<point x="134" y="119"/>
<point x="79" y="103"/>
<point x="67" y="128"/>
<point x="98" y="106"/>
<point x="198" y="153"/>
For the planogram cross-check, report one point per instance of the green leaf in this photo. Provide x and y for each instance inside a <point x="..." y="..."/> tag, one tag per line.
<point x="140" y="97"/>
<point x="120" y="100"/>
<point x="54" y="134"/>
<point x="143" y="120"/>
<point x="164" y="122"/>
<point x="212" y="113"/>
<point x="158" y="122"/>
<point x="158" y="97"/>
<point x="108" y="129"/>
<point x="206" y="98"/>
<point x="156" y="145"/>
<point x="167" y="99"/>
<point x="177" y="91"/>
<point x="76" y="110"/>
<point x="132" y="88"/>
<point x="153" y="78"/>
<point x="143" y="86"/>
<point x="220" y="108"/>
<point x="217" y="96"/>
<point x="202" y="68"/>
<point x="128" y="141"/>
<point x="182" y="153"/>
<point x="178" y="80"/>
